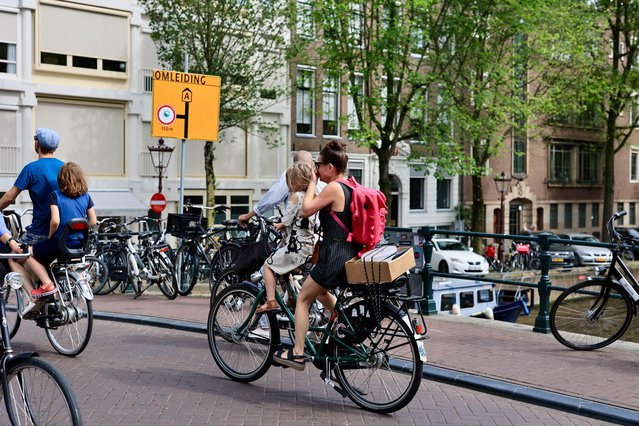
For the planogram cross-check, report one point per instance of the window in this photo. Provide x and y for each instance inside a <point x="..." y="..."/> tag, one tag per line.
<point x="594" y="218"/>
<point x="417" y="193"/>
<point x="305" y="103"/>
<point x="391" y="99"/>
<point x="8" y="58"/>
<point x="581" y="212"/>
<point x="82" y="46"/>
<point x="567" y="215"/>
<point x="620" y="208"/>
<point x="356" y="88"/>
<point x="554" y="216"/>
<point x="356" y="24"/>
<point x="356" y="173"/>
<point x="466" y="299"/>
<point x="632" y="213"/>
<point x="519" y="151"/>
<point x="443" y="193"/>
<point x="330" y="106"/>
<point x="574" y="163"/>
<point x="305" y="25"/>
<point x="634" y="163"/>
<point x="239" y="204"/>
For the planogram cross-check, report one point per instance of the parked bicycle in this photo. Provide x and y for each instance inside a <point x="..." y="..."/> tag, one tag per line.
<point x="490" y="253"/>
<point x="367" y="350"/>
<point x="138" y="267"/>
<point x="66" y="315"/>
<point x="594" y="313"/>
<point x="33" y="391"/>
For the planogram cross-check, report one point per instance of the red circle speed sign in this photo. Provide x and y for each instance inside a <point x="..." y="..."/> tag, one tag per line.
<point x="158" y="202"/>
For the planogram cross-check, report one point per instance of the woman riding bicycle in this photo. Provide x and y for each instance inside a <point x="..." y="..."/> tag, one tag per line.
<point x="335" y="251"/>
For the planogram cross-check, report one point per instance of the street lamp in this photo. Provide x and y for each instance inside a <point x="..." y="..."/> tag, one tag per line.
<point x="158" y="153"/>
<point x="502" y="183"/>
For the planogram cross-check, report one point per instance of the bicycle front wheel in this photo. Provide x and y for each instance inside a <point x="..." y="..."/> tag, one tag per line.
<point x="391" y="374"/>
<point x="591" y="314"/>
<point x="226" y="279"/>
<point x="39" y="395"/>
<point x="98" y="271"/>
<point x="187" y="264"/>
<point x="70" y="324"/>
<point x="223" y="259"/>
<point x="167" y="282"/>
<point x="241" y="346"/>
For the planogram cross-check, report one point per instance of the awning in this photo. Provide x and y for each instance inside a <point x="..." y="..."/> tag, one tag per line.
<point x="114" y="202"/>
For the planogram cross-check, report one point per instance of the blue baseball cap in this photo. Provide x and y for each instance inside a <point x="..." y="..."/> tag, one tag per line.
<point x="47" y="138"/>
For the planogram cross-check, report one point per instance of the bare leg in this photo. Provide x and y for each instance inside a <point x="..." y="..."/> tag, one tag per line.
<point x="269" y="285"/>
<point x="17" y="267"/>
<point x="39" y="270"/>
<point x="310" y="291"/>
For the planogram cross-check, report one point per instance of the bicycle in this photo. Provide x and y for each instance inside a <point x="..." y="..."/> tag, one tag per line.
<point x="203" y="252"/>
<point x="66" y="315"/>
<point x="594" y="313"/>
<point x="366" y="347"/>
<point x="131" y="266"/>
<point x="34" y="392"/>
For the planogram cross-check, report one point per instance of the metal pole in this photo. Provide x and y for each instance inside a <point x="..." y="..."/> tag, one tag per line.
<point x="183" y="150"/>
<point x="500" y="249"/>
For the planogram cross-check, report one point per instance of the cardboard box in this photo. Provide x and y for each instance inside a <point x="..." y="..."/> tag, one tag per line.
<point x="384" y="271"/>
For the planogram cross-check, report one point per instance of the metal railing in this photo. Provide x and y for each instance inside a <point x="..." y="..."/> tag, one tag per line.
<point x="544" y="285"/>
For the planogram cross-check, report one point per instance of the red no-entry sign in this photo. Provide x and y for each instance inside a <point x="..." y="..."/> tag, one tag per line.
<point x="158" y="202"/>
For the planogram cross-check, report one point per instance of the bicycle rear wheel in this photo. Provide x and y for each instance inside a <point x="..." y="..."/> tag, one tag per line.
<point x="71" y="323"/>
<point x="99" y="272"/>
<point x="226" y="279"/>
<point x="242" y="355"/>
<point x="167" y="283"/>
<point x="591" y="314"/>
<point x="39" y="395"/>
<point x="223" y="259"/>
<point x="117" y="264"/>
<point x="390" y="376"/>
<point x="187" y="264"/>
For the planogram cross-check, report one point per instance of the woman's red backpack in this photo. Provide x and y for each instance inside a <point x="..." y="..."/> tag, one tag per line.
<point x="368" y="208"/>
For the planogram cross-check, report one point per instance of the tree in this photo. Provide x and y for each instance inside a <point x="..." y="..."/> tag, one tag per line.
<point x="383" y="51"/>
<point x="242" y="41"/>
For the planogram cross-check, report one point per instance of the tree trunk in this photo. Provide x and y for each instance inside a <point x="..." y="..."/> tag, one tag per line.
<point x="477" y="212"/>
<point x="384" y="177"/>
<point x="209" y="156"/>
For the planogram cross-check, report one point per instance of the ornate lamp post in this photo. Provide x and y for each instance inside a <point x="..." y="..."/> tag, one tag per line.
<point x="159" y="159"/>
<point x="502" y="183"/>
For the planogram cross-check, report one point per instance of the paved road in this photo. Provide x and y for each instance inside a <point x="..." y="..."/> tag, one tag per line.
<point x="134" y="374"/>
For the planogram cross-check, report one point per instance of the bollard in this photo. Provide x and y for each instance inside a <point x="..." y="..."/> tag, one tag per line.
<point x="427" y="306"/>
<point x="542" y="322"/>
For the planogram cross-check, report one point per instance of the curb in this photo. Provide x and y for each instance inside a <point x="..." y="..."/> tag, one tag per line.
<point x="567" y="403"/>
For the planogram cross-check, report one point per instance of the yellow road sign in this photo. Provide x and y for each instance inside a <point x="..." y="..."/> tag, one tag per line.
<point x="185" y="106"/>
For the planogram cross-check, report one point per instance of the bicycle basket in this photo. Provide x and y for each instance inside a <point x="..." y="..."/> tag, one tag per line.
<point x="252" y="256"/>
<point x="184" y="225"/>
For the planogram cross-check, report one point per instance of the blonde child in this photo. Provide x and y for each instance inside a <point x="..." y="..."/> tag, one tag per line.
<point x="298" y="237"/>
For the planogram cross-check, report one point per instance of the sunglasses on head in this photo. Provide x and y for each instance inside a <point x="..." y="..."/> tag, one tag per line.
<point x="319" y="163"/>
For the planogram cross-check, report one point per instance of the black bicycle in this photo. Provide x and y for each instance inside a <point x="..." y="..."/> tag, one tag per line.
<point x="594" y="313"/>
<point x="34" y="392"/>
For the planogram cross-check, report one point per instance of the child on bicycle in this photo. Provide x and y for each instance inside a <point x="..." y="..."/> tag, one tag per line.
<point x="298" y="239"/>
<point x="70" y="201"/>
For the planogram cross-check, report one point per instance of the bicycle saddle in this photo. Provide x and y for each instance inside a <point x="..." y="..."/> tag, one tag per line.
<point x="145" y="234"/>
<point x="231" y="222"/>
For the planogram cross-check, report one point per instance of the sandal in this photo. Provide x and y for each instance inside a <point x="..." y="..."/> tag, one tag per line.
<point x="269" y="306"/>
<point x="297" y="362"/>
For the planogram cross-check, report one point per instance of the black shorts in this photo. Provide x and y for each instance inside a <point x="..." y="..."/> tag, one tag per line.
<point x="46" y="251"/>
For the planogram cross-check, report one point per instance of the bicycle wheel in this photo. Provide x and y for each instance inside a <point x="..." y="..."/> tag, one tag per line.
<point x="226" y="279"/>
<point x="15" y="301"/>
<point x="117" y="264"/>
<point x="71" y="322"/>
<point x="242" y="355"/>
<point x="39" y="395"/>
<point x="223" y="259"/>
<point x="591" y="314"/>
<point x="389" y="378"/>
<point x="167" y="281"/>
<point x="187" y="264"/>
<point x="99" y="272"/>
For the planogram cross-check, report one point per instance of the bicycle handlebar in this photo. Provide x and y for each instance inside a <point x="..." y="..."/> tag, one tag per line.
<point x="15" y="255"/>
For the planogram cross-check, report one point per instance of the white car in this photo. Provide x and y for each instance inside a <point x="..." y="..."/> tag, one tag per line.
<point x="585" y="255"/>
<point x="452" y="256"/>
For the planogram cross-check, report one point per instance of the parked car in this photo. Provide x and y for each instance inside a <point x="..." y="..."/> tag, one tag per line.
<point x="585" y="255"/>
<point x="630" y="237"/>
<point x="450" y="255"/>
<point x="561" y="255"/>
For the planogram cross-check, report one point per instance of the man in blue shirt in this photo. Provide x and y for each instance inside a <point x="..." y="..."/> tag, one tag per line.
<point x="40" y="178"/>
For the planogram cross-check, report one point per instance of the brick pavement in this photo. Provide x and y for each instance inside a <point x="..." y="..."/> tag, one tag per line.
<point x="133" y="374"/>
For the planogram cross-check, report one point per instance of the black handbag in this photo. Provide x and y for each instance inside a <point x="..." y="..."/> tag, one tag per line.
<point x="252" y="256"/>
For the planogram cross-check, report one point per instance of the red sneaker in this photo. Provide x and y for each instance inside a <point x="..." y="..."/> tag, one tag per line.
<point x="43" y="290"/>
